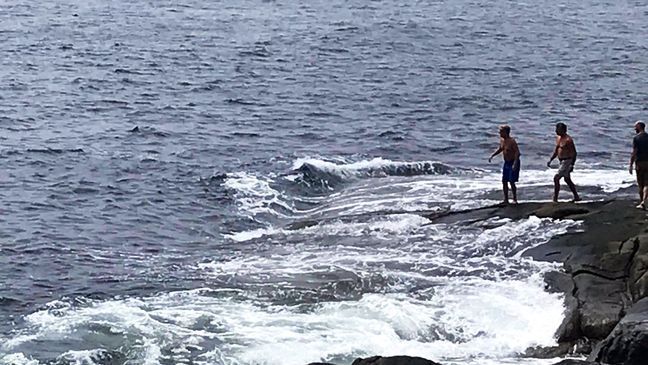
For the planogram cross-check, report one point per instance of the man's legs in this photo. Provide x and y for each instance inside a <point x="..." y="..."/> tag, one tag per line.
<point x="641" y="193"/>
<point x="643" y="188"/>
<point x="572" y="187"/>
<point x="514" y="191"/>
<point x="556" y="188"/>
<point x="640" y="184"/>
<point x="505" y="189"/>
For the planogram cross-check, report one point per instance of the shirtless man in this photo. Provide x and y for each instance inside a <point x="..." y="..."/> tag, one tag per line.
<point x="511" y="168"/>
<point x="639" y="158"/>
<point x="566" y="152"/>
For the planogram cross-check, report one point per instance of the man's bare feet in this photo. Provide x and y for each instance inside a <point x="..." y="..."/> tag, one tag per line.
<point x="576" y="199"/>
<point x="515" y="202"/>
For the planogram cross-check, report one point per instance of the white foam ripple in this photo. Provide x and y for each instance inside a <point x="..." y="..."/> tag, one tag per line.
<point x="463" y="320"/>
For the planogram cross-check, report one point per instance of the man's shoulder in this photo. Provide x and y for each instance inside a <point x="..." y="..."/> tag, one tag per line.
<point x="641" y="137"/>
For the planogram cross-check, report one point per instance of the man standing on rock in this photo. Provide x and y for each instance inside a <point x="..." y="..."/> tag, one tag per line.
<point x="511" y="168"/>
<point x="639" y="159"/>
<point x="566" y="152"/>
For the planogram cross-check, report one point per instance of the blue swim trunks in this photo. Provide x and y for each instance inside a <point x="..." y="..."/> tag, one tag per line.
<point x="508" y="173"/>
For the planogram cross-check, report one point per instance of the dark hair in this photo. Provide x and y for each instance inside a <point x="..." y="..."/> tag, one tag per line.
<point x="506" y="129"/>
<point x="561" y="125"/>
<point x="642" y="125"/>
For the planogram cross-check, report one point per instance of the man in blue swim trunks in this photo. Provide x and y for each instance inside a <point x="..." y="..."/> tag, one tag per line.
<point x="511" y="169"/>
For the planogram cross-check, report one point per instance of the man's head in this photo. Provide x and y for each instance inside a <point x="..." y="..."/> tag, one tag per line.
<point x="561" y="129"/>
<point x="640" y="126"/>
<point x="505" y="131"/>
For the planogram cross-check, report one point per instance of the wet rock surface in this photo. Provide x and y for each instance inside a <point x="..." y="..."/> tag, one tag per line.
<point x="394" y="360"/>
<point x="628" y="342"/>
<point x="391" y="360"/>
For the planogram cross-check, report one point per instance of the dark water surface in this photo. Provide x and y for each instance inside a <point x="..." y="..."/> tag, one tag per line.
<point x="140" y="137"/>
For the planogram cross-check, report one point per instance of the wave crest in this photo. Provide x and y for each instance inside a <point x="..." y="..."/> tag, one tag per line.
<point x="329" y="174"/>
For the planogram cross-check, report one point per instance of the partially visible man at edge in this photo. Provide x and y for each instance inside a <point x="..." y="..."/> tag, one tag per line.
<point x="511" y="168"/>
<point x="639" y="159"/>
<point x="566" y="152"/>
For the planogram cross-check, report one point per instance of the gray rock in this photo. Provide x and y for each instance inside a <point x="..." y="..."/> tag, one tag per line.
<point x="542" y="352"/>
<point x="638" y="271"/>
<point x="570" y="328"/>
<point x="558" y="282"/>
<point x="628" y="342"/>
<point x="394" y="360"/>
<point x="575" y="362"/>
<point x="578" y="347"/>
<point x="599" y="271"/>
<point x="600" y="304"/>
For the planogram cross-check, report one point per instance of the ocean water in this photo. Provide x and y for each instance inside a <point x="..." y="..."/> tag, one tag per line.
<point x="242" y="182"/>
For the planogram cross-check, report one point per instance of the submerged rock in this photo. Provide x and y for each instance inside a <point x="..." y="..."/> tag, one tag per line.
<point x="578" y="347"/>
<point x="394" y="360"/>
<point x="575" y="362"/>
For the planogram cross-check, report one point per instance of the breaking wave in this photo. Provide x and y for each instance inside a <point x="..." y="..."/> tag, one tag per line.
<point x="320" y="173"/>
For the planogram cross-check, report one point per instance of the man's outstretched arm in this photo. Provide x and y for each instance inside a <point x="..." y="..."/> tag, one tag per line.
<point x="497" y="152"/>
<point x="555" y="154"/>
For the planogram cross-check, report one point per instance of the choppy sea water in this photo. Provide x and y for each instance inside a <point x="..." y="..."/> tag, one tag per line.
<point x="241" y="182"/>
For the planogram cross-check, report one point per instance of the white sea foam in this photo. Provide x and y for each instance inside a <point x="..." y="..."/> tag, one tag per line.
<point x="471" y="315"/>
<point x="349" y="169"/>
<point x="458" y="320"/>
<point x="17" y="359"/>
<point x="255" y="195"/>
<point x="461" y="321"/>
<point x="380" y="227"/>
<point x="465" y="190"/>
<point x="418" y="247"/>
<point x="252" y="234"/>
<point x="608" y="180"/>
<point x="82" y="357"/>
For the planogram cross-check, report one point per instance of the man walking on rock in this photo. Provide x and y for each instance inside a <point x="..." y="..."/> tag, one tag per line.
<point x="566" y="152"/>
<point x="639" y="159"/>
<point x="511" y="168"/>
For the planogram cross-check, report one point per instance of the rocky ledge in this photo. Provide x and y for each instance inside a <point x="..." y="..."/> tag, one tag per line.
<point x="605" y="280"/>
